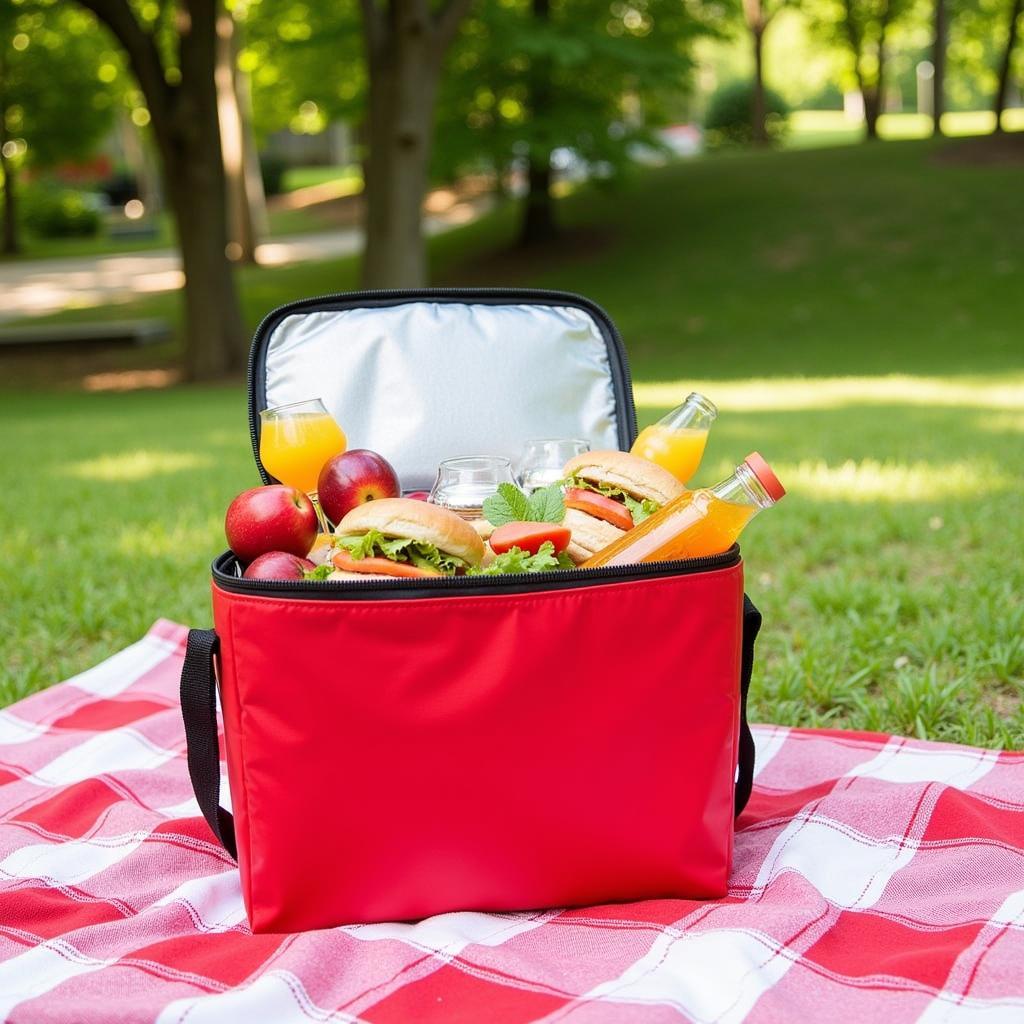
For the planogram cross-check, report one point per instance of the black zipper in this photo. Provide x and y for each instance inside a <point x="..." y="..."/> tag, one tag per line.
<point x="622" y="379"/>
<point x="519" y="583"/>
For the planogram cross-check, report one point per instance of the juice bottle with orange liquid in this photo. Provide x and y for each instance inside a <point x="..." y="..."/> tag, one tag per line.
<point x="676" y="442"/>
<point x="698" y="523"/>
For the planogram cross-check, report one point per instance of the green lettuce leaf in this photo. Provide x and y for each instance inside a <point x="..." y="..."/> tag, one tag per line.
<point x="517" y="561"/>
<point x="639" y="508"/>
<point x="373" y="544"/>
<point x="321" y="572"/>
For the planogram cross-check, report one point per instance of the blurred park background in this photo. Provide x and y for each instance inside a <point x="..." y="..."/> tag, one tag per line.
<point x="812" y="211"/>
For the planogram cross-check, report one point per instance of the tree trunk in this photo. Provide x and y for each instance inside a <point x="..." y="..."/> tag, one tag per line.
<point x="404" y="72"/>
<point x="874" y="93"/>
<point x="539" y="224"/>
<point x="939" y="65"/>
<point x="10" y="243"/>
<point x="193" y="163"/>
<point x="1006" y="65"/>
<point x="187" y="133"/>
<point x="246" y="203"/>
<point x="758" y="111"/>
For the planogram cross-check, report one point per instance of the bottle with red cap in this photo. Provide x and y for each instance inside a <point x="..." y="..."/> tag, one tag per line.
<point x="698" y="523"/>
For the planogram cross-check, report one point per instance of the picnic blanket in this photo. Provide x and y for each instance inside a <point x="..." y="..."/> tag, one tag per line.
<point x="875" y="879"/>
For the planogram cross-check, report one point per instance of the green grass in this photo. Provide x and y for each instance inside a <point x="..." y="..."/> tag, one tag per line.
<point x="350" y="177"/>
<point x="855" y="313"/>
<point x="811" y="129"/>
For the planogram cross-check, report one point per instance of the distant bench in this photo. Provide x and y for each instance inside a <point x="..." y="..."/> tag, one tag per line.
<point x="120" y="332"/>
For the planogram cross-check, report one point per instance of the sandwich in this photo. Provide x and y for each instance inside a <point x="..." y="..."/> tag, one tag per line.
<point x="406" y="538"/>
<point x="608" y="493"/>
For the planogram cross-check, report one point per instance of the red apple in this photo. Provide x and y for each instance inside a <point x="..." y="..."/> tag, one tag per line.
<point x="353" y="477"/>
<point x="273" y="518"/>
<point x="419" y="495"/>
<point x="278" y="565"/>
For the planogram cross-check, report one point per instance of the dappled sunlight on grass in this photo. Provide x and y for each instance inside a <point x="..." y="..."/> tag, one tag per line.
<point x="766" y="393"/>
<point x="135" y="465"/>
<point x="1003" y="423"/>
<point x="869" y="480"/>
<point x="151" y="540"/>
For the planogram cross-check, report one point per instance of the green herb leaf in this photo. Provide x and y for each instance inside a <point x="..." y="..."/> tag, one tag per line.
<point x="509" y="505"/>
<point x="546" y="505"/>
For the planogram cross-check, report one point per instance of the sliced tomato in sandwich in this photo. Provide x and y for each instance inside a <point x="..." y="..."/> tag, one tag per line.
<point x="379" y="566"/>
<point x="599" y="506"/>
<point x="529" y="537"/>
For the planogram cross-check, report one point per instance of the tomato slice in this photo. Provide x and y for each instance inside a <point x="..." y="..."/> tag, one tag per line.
<point x="600" y="506"/>
<point x="379" y="566"/>
<point x="529" y="537"/>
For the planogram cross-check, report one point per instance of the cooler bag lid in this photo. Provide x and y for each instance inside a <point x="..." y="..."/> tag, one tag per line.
<point x="426" y="375"/>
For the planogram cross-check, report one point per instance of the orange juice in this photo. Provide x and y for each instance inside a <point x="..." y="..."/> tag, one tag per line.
<point x="697" y="523"/>
<point x="677" y="449"/>
<point x="295" y="447"/>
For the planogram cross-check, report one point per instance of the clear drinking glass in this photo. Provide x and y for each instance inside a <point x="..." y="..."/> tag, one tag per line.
<point x="462" y="484"/>
<point x="295" y="442"/>
<point x="541" y="461"/>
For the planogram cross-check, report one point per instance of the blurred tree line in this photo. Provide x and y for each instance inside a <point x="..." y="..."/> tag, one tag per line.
<point x="436" y="88"/>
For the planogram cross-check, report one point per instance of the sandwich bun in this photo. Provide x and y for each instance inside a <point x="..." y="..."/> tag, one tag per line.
<point x="417" y="520"/>
<point x="638" y="477"/>
<point x="589" y="534"/>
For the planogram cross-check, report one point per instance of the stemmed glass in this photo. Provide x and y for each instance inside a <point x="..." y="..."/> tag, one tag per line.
<point x="542" y="459"/>
<point x="296" y="440"/>
<point x="462" y="484"/>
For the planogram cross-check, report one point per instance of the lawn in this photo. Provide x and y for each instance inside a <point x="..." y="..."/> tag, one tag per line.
<point x="856" y="315"/>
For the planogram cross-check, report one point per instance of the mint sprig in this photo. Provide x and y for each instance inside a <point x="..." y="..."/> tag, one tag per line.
<point x="511" y="505"/>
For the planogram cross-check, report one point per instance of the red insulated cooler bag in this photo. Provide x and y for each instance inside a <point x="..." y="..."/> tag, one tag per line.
<point x="400" y="748"/>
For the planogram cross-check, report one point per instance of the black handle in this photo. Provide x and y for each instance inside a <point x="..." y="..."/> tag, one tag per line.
<point x="199" y="711"/>
<point x="745" y="766"/>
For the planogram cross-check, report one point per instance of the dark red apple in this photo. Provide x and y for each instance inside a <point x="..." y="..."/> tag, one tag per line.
<point x="419" y="495"/>
<point x="278" y="565"/>
<point x="353" y="477"/>
<point x="272" y="518"/>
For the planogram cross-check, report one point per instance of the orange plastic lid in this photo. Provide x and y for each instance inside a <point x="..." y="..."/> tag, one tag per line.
<point x="764" y="473"/>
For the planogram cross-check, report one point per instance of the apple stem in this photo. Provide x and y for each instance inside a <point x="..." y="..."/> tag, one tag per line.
<point x="325" y="526"/>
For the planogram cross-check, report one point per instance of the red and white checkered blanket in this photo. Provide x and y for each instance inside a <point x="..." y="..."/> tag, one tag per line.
<point x="876" y="879"/>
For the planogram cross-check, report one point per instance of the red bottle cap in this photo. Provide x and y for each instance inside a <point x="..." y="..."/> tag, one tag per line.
<point x="768" y="480"/>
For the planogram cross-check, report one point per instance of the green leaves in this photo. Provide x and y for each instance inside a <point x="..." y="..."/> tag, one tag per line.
<point x="510" y="505"/>
<point x="639" y="508"/>
<point x="400" y="549"/>
<point x="518" y="561"/>
<point x="321" y="572"/>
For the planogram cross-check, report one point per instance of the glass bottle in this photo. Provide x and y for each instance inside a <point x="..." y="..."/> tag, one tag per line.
<point x="698" y="523"/>
<point x="677" y="441"/>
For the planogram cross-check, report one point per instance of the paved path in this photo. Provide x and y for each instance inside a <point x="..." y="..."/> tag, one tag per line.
<point x="37" y="287"/>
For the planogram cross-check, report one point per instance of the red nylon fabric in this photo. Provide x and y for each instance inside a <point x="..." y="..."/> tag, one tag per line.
<point x="875" y="879"/>
<point x="395" y="759"/>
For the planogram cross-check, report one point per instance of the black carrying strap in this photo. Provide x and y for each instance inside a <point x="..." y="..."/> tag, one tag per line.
<point x="199" y="711"/>
<point x="745" y="768"/>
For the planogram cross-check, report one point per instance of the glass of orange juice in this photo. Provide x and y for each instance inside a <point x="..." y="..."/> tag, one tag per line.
<point x="676" y="442"/>
<point x="295" y="442"/>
